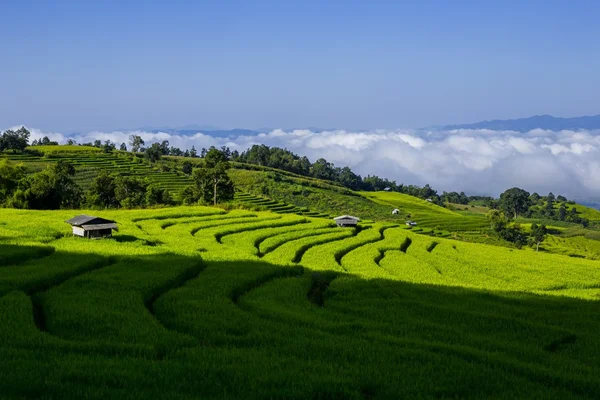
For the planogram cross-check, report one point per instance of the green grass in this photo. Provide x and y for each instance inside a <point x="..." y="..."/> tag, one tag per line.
<point x="310" y="196"/>
<point x="88" y="161"/>
<point x="65" y="149"/>
<point x="585" y="212"/>
<point x="318" y="312"/>
<point x="427" y="214"/>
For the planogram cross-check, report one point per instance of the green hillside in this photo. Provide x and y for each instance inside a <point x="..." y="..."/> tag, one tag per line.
<point x="88" y="164"/>
<point x="247" y="304"/>
<point x="267" y="189"/>
<point x="428" y="214"/>
<point x="313" y="194"/>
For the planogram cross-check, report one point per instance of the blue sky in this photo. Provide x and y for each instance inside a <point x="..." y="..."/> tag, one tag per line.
<point x="355" y="65"/>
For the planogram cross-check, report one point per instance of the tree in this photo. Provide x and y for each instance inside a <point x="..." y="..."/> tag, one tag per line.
<point x="562" y="212"/>
<point x="136" y="142"/>
<point x="211" y="183"/>
<point x="70" y="142"/>
<point x="123" y="147"/>
<point x="322" y="169"/>
<point x="175" y="151"/>
<point x="45" y="141"/>
<point x="549" y="207"/>
<point x="226" y="151"/>
<point x="164" y="147"/>
<point x="534" y="198"/>
<point x="156" y="195"/>
<point x="497" y="220"/>
<point x="561" y="199"/>
<point x="187" y="168"/>
<point x="349" y="179"/>
<point x="193" y="152"/>
<point x="515" y="201"/>
<point x="153" y="153"/>
<point x="97" y="143"/>
<point x="102" y="191"/>
<point x="49" y="189"/>
<point x="10" y="175"/>
<point x="130" y="191"/>
<point x="15" y="140"/>
<point x="538" y="234"/>
<point x="108" y="146"/>
<point x="214" y="157"/>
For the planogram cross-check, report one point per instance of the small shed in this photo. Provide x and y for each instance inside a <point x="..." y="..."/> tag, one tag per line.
<point x="91" y="227"/>
<point x="411" y="223"/>
<point x="395" y="211"/>
<point x="429" y="200"/>
<point x="346" y="220"/>
<point x="387" y="188"/>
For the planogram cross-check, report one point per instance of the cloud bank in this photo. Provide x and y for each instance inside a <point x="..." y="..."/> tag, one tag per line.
<point x="474" y="161"/>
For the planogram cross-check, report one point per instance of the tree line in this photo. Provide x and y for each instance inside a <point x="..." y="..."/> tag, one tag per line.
<point x="286" y="160"/>
<point x="517" y="203"/>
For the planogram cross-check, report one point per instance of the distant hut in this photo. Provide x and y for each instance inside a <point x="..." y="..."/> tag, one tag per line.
<point x="91" y="227"/>
<point x="411" y="223"/>
<point x="387" y="189"/>
<point x="346" y="220"/>
<point x="395" y="211"/>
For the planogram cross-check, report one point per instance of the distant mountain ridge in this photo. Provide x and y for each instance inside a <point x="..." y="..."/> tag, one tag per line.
<point x="213" y="133"/>
<point x="536" y="122"/>
<point x="216" y="132"/>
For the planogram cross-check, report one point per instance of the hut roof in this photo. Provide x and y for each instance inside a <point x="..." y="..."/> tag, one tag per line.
<point x="96" y="227"/>
<point x="80" y="220"/>
<point x="346" y="217"/>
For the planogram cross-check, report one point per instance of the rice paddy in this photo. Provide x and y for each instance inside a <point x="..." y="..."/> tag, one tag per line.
<point x="89" y="161"/>
<point x="197" y="302"/>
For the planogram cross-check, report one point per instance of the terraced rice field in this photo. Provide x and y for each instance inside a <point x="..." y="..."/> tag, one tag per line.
<point x="88" y="164"/>
<point x="427" y="214"/>
<point x="276" y="206"/>
<point x="196" y="302"/>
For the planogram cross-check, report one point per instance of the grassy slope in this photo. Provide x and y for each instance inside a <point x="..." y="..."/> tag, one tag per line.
<point x="161" y="313"/>
<point x="88" y="163"/>
<point x="285" y="192"/>
<point x="428" y="214"/>
<point x="314" y="194"/>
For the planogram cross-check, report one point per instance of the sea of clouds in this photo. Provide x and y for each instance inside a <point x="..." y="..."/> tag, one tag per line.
<point x="482" y="162"/>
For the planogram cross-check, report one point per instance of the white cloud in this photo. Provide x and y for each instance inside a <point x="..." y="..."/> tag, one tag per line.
<point x="474" y="161"/>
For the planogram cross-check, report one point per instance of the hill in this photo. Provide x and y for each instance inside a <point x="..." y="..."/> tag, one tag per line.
<point x="196" y="302"/>
<point x="535" y="122"/>
<point x="267" y="189"/>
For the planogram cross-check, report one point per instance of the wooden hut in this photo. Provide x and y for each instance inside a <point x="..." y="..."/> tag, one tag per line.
<point x="91" y="227"/>
<point x="346" y="220"/>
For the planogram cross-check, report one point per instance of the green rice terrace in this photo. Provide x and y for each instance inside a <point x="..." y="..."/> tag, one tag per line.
<point x="90" y="160"/>
<point x="197" y="302"/>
